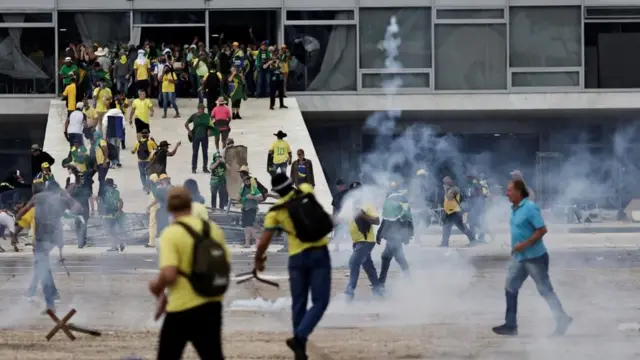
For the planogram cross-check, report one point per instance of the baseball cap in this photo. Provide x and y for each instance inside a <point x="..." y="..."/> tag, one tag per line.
<point x="80" y="105"/>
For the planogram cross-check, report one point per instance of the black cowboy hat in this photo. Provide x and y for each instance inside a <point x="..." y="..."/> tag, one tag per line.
<point x="280" y="134"/>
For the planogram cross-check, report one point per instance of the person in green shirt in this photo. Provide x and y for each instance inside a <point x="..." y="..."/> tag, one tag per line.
<point x="262" y="57"/>
<point x="218" y="181"/>
<point x="67" y="71"/>
<point x="277" y="82"/>
<point x="249" y="197"/>
<point x="199" y="136"/>
<point x="237" y="92"/>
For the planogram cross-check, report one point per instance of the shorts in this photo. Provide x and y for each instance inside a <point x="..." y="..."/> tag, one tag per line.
<point x="249" y="217"/>
<point x="141" y="125"/>
<point x="235" y="104"/>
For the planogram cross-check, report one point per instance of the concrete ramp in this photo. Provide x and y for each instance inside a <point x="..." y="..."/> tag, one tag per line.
<point x="255" y="131"/>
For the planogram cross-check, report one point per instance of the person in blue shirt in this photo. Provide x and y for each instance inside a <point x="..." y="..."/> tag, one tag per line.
<point x="529" y="258"/>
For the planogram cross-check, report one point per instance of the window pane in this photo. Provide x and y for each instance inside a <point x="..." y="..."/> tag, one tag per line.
<point x="545" y="36"/>
<point x="323" y="57"/>
<point x="457" y="14"/>
<point x="415" y="36"/>
<point x="26" y="18"/>
<point x="168" y="17"/>
<point x="375" y="81"/>
<point x="234" y="24"/>
<point x="100" y="28"/>
<point x="528" y="79"/>
<point x="323" y="15"/>
<point x="470" y="57"/>
<point x="29" y="66"/>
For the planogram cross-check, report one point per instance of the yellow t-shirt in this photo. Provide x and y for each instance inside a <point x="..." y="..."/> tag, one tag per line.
<point x="81" y="167"/>
<point x="281" y="151"/>
<point x="176" y="249"/>
<point x="150" y="144"/>
<point x="103" y="98"/>
<point x="91" y="113"/>
<point x="199" y="210"/>
<point x="70" y="92"/>
<point x="142" y="109"/>
<point x="168" y="86"/>
<point x="356" y="235"/>
<point x="142" y="71"/>
<point x="451" y="204"/>
<point x="280" y="220"/>
<point x="27" y="220"/>
<point x="99" y="153"/>
<point x="124" y="105"/>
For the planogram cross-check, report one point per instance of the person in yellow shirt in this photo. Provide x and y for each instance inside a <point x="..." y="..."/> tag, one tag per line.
<point x="190" y="317"/>
<point x="453" y="213"/>
<point x="141" y="67"/>
<point x="142" y="111"/>
<point x="102" y="96"/>
<point x="70" y="92"/>
<point x="280" y="152"/>
<point x="309" y="266"/>
<point x="101" y="150"/>
<point x="364" y="240"/>
<point x="144" y="149"/>
<point x="169" y="80"/>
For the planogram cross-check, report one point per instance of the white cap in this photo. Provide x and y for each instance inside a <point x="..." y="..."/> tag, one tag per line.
<point x="67" y="59"/>
<point x="80" y="105"/>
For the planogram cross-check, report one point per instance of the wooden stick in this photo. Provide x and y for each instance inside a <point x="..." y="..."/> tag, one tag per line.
<point x="91" y="332"/>
<point x="61" y="324"/>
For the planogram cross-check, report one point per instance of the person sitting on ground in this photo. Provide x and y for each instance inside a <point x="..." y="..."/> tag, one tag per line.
<point x="190" y="316"/>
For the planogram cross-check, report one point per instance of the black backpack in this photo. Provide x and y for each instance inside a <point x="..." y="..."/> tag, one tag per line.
<point x="143" y="150"/>
<point x="263" y="190"/>
<point x="112" y="151"/>
<point x="210" y="272"/>
<point x="309" y="219"/>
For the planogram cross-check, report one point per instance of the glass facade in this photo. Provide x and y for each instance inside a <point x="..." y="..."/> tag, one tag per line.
<point x="451" y="49"/>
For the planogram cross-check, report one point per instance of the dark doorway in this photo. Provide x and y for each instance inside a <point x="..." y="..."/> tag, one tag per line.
<point x="177" y="36"/>
<point x="235" y="25"/>
<point x="612" y="54"/>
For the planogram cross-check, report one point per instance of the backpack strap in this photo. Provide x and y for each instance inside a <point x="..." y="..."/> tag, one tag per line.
<point x="206" y="233"/>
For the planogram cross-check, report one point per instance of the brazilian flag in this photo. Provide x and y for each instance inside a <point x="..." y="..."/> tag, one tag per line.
<point x="396" y="207"/>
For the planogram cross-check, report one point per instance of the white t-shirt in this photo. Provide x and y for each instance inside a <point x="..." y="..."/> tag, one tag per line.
<point x="76" y="120"/>
<point x="8" y="221"/>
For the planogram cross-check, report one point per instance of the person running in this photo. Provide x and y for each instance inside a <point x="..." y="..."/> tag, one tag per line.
<point x="112" y="215"/>
<point x="397" y="229"/>
<point x="142" y="112"/>
<point x="529" y="258"/>
<point x="190" y="316"/>
<point x="363" y="237"/>
<point x="309" y="265"/>
<point x="81" y="193"/>
<point x="144" y="149"/>
<point x="452" y="198"/>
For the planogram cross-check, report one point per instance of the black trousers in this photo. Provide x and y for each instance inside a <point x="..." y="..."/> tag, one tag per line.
<point x="277" y="85"/>
<point x="202" y="326"/>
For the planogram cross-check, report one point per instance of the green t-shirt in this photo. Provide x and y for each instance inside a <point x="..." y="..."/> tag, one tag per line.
<point x="65" y="70"/>
<point x="201" y="124"/>
<point x="218" y="173"/>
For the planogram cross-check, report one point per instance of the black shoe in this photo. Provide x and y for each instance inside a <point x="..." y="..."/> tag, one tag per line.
<point x="193" y="171"/>
<point x="505" y="330"/>
<point x="562" y="326"/>
<point x="206" y="171"/>
<point x="122" y="247"/>
<point x="283" y="107"/>
<point x="298" y="349"/>
<point x="113" y="249"/>
<point x="234" y="116"/>
<point x="238" y="117"/>
<point x="271" y="108"/>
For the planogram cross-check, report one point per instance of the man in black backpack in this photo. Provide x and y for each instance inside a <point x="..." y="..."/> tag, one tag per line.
<point x="212" y="86"/>
<point x="194" y="302"/>
<point x="309" y="259"/>
<point x="144" y="150"/>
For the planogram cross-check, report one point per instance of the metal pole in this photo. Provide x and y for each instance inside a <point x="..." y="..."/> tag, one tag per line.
<point x="206" y="29"/>
<point x="56" y="51"/>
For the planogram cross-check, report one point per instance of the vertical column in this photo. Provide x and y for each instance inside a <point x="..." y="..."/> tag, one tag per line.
<point x="56" y="49"/>
<point x="206" y="29"/>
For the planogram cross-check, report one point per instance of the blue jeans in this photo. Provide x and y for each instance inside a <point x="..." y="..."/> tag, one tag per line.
<point x="282" y="168"/>
<point x="169" y="97"/>
<point x="220" y="189"/>
<point x="309" y="271"/>
<point x="142" y="169"/>
<point x="361" y="257"/>
<point x="263" y="83"/>
<point x="393" y="249"/>
<point x="518" y="272"/>
<point x="200" y="94"/>
<point x="42" y="272"/>
<point x="122" y="84"/>
<point x="196" y="143"/>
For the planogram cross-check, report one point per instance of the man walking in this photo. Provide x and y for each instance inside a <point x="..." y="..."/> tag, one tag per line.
<point x="199" y="135"/>
<point x="529" y="258"/>
<point x="397" y="229"/>
<point x="302" y="170"/>
<point x="309" y="266"/>
<point x="144" y="149"/>
<point x="280" y="152"/>
<point x="75" y="124"/>
<point x="453" y="213"/>
<point x="113" y="127"/>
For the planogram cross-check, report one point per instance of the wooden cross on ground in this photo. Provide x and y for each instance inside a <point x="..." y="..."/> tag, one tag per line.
<point x="67" y="328"/>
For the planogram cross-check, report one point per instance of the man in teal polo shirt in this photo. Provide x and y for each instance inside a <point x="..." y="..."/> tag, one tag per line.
<point x="529" y="258"/>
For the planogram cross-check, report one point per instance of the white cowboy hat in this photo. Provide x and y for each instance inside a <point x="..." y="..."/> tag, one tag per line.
<point x="100" y="52"/>
<point x="221" y="100"/>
